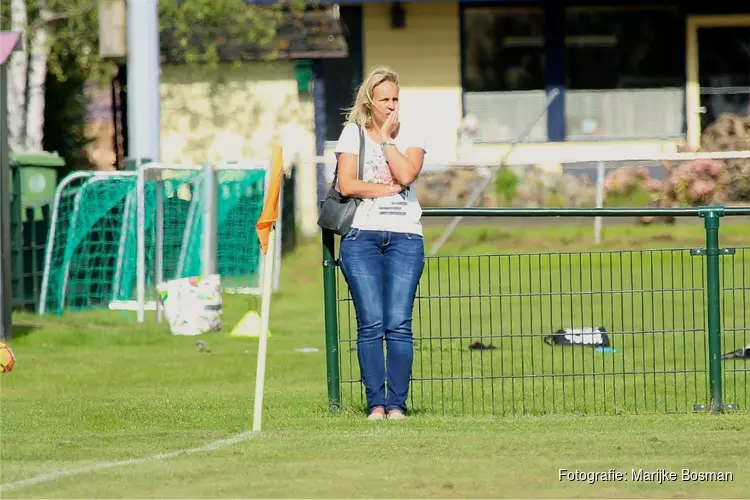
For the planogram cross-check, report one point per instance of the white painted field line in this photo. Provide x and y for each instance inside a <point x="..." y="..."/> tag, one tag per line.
<point x="65" y="473"/>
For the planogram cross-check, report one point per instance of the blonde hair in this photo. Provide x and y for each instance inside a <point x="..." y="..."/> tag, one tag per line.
<point x="361" y="111"/>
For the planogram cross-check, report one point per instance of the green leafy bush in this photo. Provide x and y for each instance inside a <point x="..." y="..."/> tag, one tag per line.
<point x="506" y="184"/>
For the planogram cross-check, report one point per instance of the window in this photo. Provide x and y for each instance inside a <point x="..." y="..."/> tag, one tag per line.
<point x="503" y="49"/>
<point x="622" y="68"/>
<point x="624" y="72"/>
<point x="503" y="70"/>
<point x="627" y="47"/>
<point x="724" y="72"/>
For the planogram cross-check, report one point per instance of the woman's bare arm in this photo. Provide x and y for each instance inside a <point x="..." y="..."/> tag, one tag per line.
<point x="404" y="168"/>
<point x="350" y="186"/>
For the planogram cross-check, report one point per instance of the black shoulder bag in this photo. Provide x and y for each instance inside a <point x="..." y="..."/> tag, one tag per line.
<point x="337" y="211"/>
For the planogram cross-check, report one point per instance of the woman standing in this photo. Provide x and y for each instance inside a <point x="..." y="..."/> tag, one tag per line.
<point x="382" y="255"/>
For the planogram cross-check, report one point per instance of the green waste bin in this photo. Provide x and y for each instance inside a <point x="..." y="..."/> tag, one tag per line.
<point x="132" y="163"/>
<point x="39" y="178"/>
<point x="34" y="179"/>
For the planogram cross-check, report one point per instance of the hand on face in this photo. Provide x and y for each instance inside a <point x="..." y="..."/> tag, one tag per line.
<point x="391" y="124"/>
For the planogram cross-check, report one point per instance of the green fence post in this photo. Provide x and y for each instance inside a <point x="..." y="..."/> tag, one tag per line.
<point x="711" y="216"/>
<point x="17" y="240"/>
<point x="329" y="299"/>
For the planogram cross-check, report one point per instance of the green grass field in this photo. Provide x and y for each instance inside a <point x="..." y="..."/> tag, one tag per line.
<point x="96" y="388"/>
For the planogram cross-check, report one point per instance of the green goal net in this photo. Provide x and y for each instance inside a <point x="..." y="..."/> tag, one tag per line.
<point x="93" y="246"/>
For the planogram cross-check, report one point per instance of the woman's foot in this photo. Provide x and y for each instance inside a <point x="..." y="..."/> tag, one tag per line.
<point x="377" y="414"/>
<point x="396" y="415"/>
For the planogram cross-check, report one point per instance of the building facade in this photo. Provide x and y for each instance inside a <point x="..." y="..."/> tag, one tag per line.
<point x="638" y="76"/>
<point x="635" y="78"/>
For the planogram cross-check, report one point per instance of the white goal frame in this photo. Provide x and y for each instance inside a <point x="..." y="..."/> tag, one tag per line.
<point x="137" y="201"/>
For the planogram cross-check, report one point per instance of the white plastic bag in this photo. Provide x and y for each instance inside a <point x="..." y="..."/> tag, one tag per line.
<point x="192" y="305"/>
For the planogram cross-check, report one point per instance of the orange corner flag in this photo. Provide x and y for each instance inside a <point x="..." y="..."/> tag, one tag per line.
<point x="270" y="212"/>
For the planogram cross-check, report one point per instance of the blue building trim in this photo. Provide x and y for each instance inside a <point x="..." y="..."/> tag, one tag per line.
<point x="319" y="107"/>
<point x="461" y="58"/>
<point x="363" y="2"/>
<point x="554" y="47"/>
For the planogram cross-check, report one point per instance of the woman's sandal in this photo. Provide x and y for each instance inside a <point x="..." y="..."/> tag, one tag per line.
<point x="396" y="415"/>
<point x="377" y="414"/>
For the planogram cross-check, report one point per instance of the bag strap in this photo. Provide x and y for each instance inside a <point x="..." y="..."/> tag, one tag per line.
<point x="361" y="170"/>
<point x="361" y="158"/>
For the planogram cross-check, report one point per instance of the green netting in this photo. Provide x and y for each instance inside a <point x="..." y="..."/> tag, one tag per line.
<point x="84" y="242"/>
<point x="92" y="249"/>
<point x="240" y="202"/>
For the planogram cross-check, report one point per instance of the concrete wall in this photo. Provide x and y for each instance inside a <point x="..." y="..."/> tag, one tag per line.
<point x="239" y="112"/>
<point x="234" y="112"/>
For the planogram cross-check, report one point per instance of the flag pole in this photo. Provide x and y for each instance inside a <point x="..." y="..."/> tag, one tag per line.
<point x="265" y="309"/>
<point x="267" y="222"/>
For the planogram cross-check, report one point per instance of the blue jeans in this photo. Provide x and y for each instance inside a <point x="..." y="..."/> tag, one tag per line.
<point x="382" y="270"/>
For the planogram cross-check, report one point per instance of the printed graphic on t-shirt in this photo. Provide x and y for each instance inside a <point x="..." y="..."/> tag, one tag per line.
<point x="383" y="174"/>
<point x="389" y="205"/>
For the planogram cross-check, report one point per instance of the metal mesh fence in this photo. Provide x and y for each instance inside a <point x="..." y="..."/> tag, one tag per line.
<point x="485" y="328"/>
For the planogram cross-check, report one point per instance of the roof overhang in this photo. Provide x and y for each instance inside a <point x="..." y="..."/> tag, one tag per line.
<point x="316" y="34"/>
<point x="9" y="42"/>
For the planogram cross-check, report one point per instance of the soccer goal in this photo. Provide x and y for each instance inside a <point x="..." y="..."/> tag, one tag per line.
<point x="115" y="235"/>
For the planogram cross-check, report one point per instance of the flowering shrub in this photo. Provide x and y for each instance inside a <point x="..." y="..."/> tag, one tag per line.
<point x="738" y="189"/>
<point x="697" y="182"/>
<point x="631" y="186"/>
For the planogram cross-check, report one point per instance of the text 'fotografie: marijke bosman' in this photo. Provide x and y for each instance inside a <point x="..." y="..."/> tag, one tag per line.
<point x="638" y="475"/>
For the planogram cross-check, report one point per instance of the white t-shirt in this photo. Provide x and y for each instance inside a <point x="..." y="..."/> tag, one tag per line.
<point x="398" y="213"/>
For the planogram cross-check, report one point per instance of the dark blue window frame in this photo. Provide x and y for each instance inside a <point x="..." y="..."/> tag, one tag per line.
<point x="554" y="47"/>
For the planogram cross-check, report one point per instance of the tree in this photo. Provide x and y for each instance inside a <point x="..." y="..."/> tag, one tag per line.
<point x="53" y="30"/>
<point x="192" y="31"/>
<point x="200" y="31"/>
